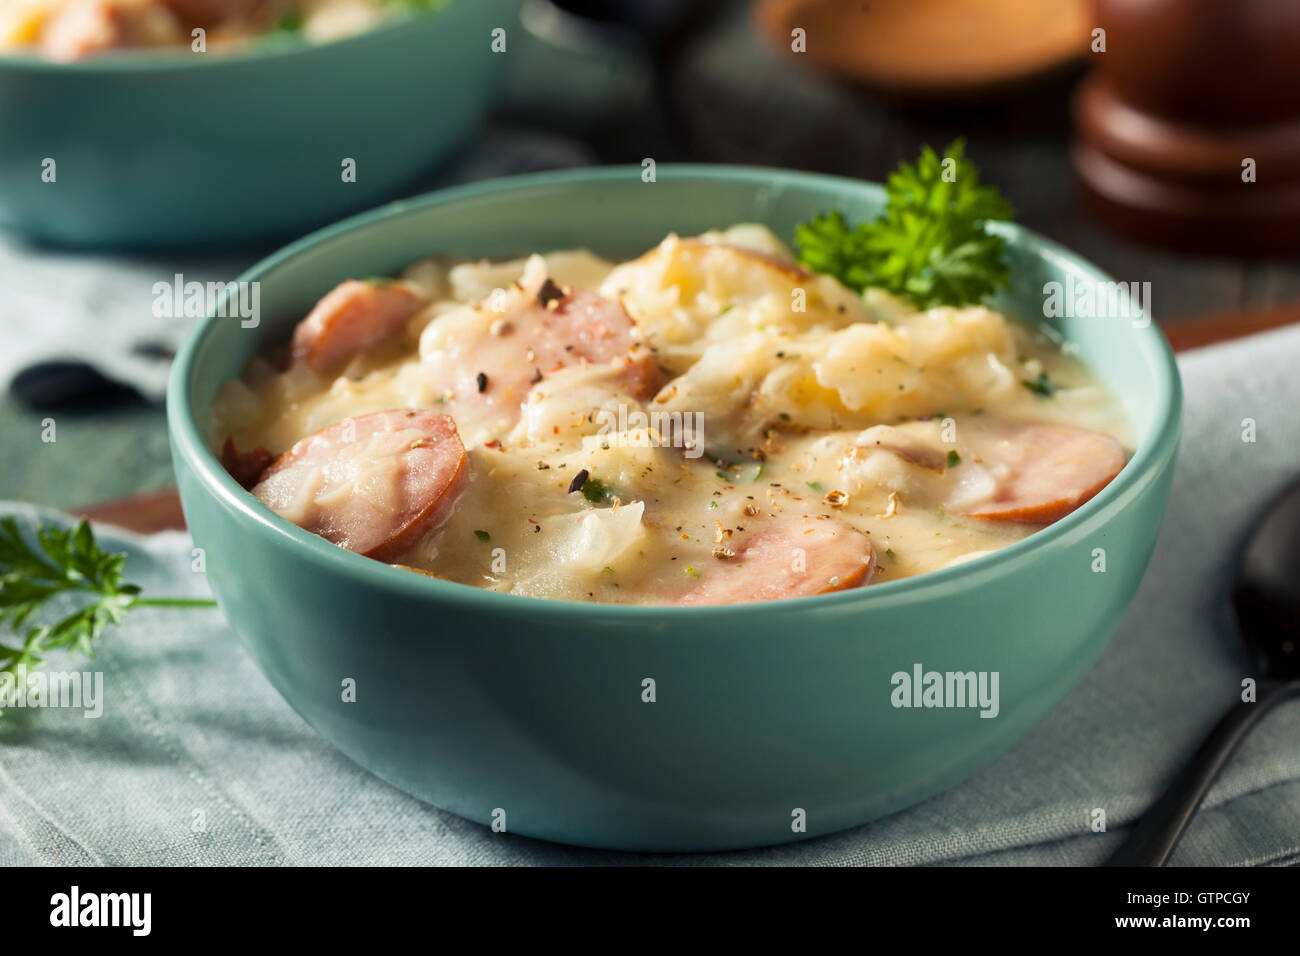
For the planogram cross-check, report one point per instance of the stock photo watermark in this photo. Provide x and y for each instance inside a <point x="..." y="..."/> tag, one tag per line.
<point x="634" y="428"/>
<point x="74" y="908"/>
<point x="64" y="690"/>
<point x="977" y="690"/>
<point x="1078" y="298"/>
<point x="193" y="299"/>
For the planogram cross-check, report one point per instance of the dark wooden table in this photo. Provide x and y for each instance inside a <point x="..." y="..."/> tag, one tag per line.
<point x="722" y="96"/>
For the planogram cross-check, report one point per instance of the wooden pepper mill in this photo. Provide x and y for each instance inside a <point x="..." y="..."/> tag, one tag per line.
<point x="1189" y="126"/>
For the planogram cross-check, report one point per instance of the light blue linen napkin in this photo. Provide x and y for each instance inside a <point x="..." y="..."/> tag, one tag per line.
<point x="197" y="760"/>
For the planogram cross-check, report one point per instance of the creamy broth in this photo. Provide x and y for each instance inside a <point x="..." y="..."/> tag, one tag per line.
<point x="761" y="432"/>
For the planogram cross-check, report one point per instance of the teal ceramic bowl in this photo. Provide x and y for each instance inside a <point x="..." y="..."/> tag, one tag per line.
<point x="159" y="148"/>
<point x="530" y="712"/>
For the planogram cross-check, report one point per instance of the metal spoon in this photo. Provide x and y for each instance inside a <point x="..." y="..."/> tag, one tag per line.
<point x="1266" y="598"/>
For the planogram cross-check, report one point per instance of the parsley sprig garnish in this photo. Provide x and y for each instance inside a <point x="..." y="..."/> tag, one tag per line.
<point x="64" y="561"/>
<point x="930" y="245"/>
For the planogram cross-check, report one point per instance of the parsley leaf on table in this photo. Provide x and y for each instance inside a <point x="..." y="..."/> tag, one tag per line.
<point x="62" y="561"/>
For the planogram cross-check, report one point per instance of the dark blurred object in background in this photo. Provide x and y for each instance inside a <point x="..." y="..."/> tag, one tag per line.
<point x="585" y="64"/>
<point x="655" y="21"/>
<point x="1189" y="127"/>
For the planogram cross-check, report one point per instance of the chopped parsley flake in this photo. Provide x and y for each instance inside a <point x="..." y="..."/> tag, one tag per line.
<point x="1042" y="386"/>
<point x="593" y="489"/>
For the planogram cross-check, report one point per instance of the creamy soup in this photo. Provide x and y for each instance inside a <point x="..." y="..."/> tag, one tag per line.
<point x="76" y="29"/>
<point x="707" y="423"/>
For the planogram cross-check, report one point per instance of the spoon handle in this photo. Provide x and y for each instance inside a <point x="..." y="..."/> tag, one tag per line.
<point x="1154" y="837"/>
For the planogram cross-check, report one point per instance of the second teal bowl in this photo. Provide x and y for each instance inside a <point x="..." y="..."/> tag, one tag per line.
<point x="154" y="148"/>
<point x="771" y="722"/>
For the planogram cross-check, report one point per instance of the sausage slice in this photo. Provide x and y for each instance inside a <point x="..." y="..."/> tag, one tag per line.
<point x="352" y="317"/>
<point x="374" y="484"/>
<point x="789" y="558"/>
<point x="486" y="377"/>
<point x="1043" y="472"/>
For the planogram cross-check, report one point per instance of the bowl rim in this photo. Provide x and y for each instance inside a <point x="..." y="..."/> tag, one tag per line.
<point x="178" y="58"/>
<point x="1153" y="453"/>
